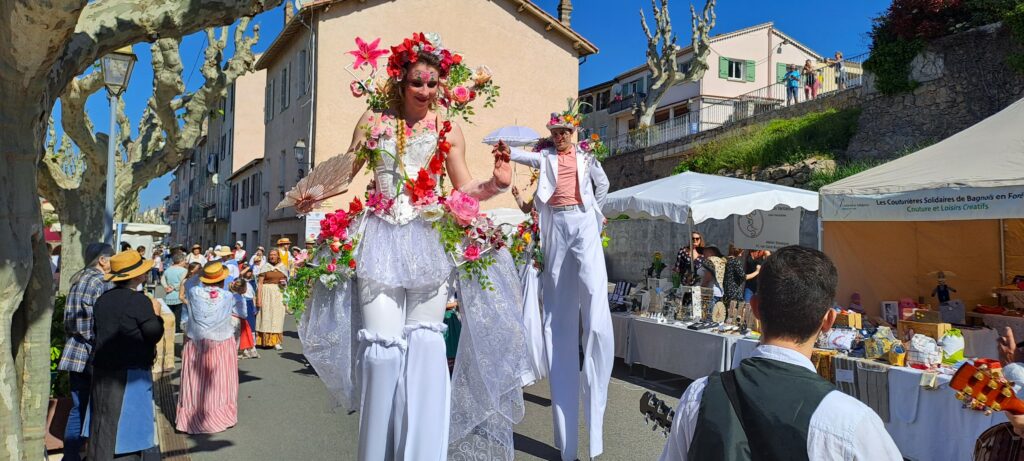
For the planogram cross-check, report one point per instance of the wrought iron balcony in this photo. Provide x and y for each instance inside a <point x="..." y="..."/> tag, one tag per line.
<point x="625" y="102"/>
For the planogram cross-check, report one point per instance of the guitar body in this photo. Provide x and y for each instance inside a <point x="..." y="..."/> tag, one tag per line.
<point x="999" y="443"/>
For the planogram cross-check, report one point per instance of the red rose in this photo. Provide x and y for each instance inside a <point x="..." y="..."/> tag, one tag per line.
<point x="355" y="207"/>
<point x="352" y="263"/>
<point x="457" y="58"/>
<point x="447" y="126"/>
<point x="347" y="247"/>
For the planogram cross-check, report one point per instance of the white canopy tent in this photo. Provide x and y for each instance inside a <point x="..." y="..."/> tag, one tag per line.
<point x="694" y="198"/>
<point x="954" y="205"/>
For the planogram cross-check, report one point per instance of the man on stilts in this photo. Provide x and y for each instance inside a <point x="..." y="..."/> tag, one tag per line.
<point x="571" y="190"/>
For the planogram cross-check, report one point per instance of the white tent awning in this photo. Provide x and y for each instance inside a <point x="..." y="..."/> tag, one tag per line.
<point x="702" y="197"/>
<point x="977" y="173"/>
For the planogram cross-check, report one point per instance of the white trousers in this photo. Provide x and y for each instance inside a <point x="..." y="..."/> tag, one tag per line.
<point x="535" y="344"/>
<point x="406" y="392"/>
<point x="575" y="287"/>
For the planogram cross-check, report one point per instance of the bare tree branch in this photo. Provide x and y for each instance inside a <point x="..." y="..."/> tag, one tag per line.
<point x="102" y="27"/>
<point x="663" y="54"/>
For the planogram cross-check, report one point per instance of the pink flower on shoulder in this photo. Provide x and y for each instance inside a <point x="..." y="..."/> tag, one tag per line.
<point x="461" y="95"/>
<point x="463" y="207"/>
<point x="471" y="253"/>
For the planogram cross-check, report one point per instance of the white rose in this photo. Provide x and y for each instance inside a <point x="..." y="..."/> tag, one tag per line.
<point x="432" y="213"/>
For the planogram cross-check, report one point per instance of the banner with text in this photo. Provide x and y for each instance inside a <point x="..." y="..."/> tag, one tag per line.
<point x="953" y="204"/>
<point x="767" y="230"/>
<point x="313" y="225"/>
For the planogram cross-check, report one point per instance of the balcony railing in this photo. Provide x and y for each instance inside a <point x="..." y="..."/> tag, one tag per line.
<point x="727" y="111"/>
<point x="625" y="102"/>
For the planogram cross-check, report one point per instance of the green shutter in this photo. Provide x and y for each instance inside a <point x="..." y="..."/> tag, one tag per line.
<point x="723" y="67"/>
<point x="748" y="73"/>
<point x="780" y="71"/>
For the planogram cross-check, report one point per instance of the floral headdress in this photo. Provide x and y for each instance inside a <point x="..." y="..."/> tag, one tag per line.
<point x="408" y="52"/>
<point x="569" y="119"/>
<point x="460" y="85"/>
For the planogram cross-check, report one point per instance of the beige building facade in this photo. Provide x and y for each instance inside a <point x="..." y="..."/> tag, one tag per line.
<point x="533" y="55"/>
<point x="744" y="71"/>
<point x="202" y="197"/>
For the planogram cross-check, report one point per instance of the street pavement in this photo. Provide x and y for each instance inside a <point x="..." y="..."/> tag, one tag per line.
<point x="282" y="415"/>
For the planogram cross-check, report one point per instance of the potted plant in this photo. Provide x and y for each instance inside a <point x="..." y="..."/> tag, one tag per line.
<point x="60" y="389"/>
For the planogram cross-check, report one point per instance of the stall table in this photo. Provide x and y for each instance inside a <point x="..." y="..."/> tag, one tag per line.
<point x="676" y="349"/>
<point x="926" y="424"/>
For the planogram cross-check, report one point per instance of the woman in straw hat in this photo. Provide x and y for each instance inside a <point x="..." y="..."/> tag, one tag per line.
<point x="127" y="328"/>
<point x="208" y="401"/>
<point x="196" y="255"/>
<point x="270" y="302"/>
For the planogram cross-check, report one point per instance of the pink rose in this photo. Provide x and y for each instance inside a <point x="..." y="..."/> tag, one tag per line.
<point x="463" y="207"/>
<point x="471" y="253"/>
<point x="461" y="95"/>
<point x="371" y="143"/>
<point x="332" y="267"/>
<point x="376" y="131"/>
<point x="356" y="88"/>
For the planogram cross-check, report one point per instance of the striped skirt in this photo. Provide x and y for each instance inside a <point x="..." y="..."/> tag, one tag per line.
<point x="208" y="398"/>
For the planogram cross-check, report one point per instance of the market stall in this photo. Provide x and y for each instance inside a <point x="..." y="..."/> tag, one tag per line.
<point x="758" y="215"/>
<point x="953" y="206"/>
<point x="662" y="213"/>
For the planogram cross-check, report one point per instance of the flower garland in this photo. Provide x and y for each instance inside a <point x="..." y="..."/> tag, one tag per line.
<point x="466" y="234"/>
<point x="524" y="244"/>
<point x="595" y="147"/>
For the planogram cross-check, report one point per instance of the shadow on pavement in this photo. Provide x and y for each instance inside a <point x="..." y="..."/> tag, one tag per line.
<point x="536" y="399"/>
<point x="534" y="447"/>
<point x="205" y="443"/>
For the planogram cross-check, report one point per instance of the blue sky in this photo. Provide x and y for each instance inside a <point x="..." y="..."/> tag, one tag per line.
<point x="612" y="25"/>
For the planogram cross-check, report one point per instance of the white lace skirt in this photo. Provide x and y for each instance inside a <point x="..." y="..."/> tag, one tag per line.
<point x="410" y="256"/>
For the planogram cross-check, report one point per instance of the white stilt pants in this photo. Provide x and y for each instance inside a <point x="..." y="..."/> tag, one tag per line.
<point x="406" y="393"/>
<point x="575" y="287"/>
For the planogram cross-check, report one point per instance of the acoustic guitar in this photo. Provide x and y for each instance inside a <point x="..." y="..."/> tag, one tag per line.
<point x="983" y="387"/>
<point x="656" y="411"/>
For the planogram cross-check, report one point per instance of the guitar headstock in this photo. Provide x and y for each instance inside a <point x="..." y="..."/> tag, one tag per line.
<point x="983" y="387"/>
<point x="657" y="411"/>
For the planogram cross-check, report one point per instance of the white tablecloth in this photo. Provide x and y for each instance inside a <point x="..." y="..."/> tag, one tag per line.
<point x="621" y="330"/>
<point x="744" y="348"/>
<point x="931" y="424"/>
<point x="675" y="349"/>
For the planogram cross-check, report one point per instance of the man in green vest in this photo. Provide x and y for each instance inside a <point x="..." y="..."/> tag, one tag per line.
<point x="774" y="406"/>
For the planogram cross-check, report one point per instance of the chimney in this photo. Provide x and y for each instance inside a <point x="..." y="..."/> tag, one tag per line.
<point x="289" y="11"/>
<point x="564" y="12"/>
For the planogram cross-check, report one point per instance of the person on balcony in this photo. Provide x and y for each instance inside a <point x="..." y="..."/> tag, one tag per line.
<point x="792" y="81"/>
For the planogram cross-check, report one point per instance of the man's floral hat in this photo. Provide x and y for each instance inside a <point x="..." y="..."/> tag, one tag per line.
<point x="569" y="119"/>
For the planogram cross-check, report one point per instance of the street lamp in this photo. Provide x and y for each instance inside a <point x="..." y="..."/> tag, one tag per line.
<point x="117" y="69"/>
<point x="300" y="154"/>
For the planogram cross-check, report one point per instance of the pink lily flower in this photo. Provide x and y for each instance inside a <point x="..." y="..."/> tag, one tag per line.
<point x="367" y="53"/>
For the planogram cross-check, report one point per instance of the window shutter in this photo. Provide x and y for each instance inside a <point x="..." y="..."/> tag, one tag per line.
<point x="723" y="67"/>
<point x="780" y="71"/>
<point x="748" y="73"/>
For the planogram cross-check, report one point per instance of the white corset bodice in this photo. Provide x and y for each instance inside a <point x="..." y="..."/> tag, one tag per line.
<point x="388" y="176"/>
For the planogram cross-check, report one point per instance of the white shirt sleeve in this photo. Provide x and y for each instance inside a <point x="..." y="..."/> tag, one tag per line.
<point x="684" y="422"/>
<point x="843" y="428"/>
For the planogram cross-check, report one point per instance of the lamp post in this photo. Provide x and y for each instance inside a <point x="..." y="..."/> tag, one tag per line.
<point x="300" y="155"/>
<point x="117" y="69"/>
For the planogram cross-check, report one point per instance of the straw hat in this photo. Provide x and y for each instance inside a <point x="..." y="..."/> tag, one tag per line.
<point x="213" y="272"/>
<point x="284" y="241"/>
<point x="197" y="247"/>
<point x="127" y="265"/>
<point x="223" y="251"/>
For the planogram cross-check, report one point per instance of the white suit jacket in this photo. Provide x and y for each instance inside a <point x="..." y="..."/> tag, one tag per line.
<point x="592" y="180"/>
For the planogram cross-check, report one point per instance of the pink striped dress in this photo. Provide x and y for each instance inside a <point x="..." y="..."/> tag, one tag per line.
<point x="208" y="398"/>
